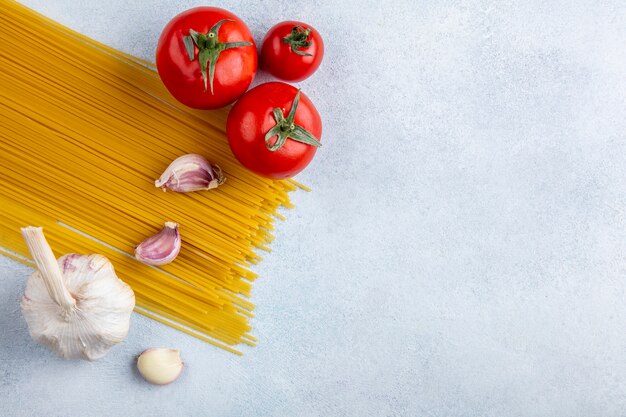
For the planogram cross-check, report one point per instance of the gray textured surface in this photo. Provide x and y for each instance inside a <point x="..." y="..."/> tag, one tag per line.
<point x="463" y="252"/>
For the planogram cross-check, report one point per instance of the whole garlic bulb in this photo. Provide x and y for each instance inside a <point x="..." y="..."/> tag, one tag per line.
<point x="77" y="305"/>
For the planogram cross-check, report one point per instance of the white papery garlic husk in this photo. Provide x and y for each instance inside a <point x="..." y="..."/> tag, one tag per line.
<point x="75" y="305"/>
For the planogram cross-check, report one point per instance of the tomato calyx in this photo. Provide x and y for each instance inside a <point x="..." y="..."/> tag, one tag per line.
<point x="287" y="129"/>
<point x="209" y="49"/>
<point x="298" y="38"/>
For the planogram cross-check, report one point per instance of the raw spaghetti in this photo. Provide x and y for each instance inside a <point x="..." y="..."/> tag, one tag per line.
<point x="84" y="132"/>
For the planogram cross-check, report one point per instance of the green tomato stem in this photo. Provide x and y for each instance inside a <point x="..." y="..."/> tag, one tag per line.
<point x="209" y="49"/>
<point x="286" y="128"/>
<point x="299" y="39"/>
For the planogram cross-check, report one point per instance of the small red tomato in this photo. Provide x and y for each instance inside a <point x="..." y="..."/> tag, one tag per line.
<point x="292" y="51"/>
<point x="274" y="130"/>
<point x="206" y="57"/>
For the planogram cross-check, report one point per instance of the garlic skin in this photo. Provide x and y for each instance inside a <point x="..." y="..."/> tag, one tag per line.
<point x="162" y="248"/>
<point x="75" y="305"/>
<point x="160" y="366"/>
<point x="190" y="172"/>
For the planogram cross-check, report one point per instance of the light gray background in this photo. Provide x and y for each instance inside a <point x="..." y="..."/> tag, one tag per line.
<point x="463" y="252"/>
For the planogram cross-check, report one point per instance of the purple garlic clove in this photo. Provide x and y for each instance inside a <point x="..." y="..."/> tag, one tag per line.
<point x="162" y="248"/>
<point x="190" y="172"/>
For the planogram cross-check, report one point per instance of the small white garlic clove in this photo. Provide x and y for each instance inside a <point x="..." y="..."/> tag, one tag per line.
<point x="162" y="248"/>
<point x="190" y="172"/>
<point x="160" y="366"/>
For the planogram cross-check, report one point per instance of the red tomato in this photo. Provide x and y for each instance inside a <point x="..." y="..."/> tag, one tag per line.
<point x="206" y="57"/>
<point x="292" y="51"/>
<point x="274" y="130"/>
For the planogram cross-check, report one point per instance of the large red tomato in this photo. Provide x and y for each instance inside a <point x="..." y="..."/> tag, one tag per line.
<point x="206" y="57"/>
<point x="292" y="51"/>
<point x="274" y="130"/>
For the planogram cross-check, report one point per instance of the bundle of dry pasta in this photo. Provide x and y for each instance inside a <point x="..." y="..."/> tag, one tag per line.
<point x="84" y="131"/>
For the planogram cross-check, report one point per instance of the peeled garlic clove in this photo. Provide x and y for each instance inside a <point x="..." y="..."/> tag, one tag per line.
<point x="162" y="248"/>
<point x="160" y="366"/>
<point x="190" y="173"/>
<point x="75" y="305"/>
